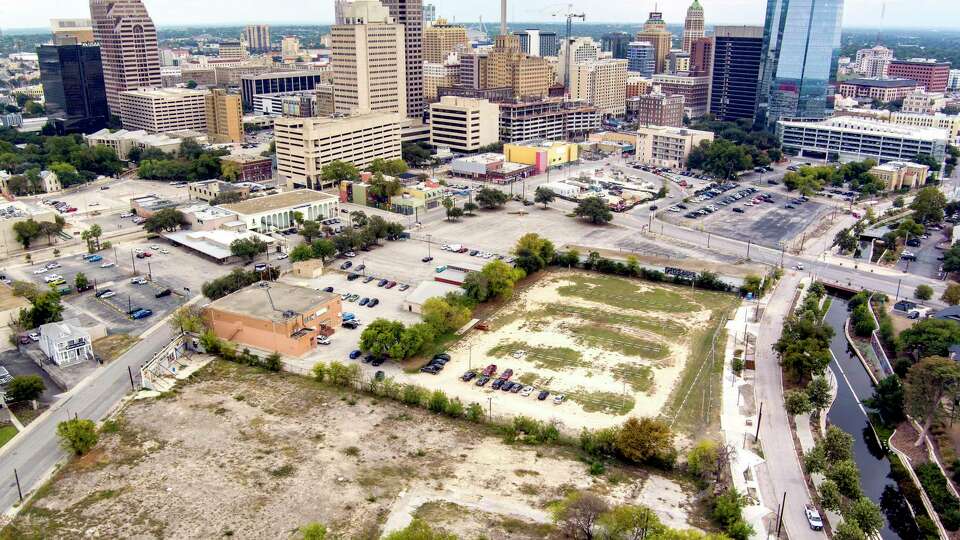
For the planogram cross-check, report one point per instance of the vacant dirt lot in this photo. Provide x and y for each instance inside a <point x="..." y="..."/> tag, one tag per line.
<point x="238" y="452"/>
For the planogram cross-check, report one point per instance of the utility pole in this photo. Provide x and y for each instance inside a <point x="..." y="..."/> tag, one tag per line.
<point x="749" y="242"/>
<point x="130" y="372"/>
<point x="16" y="476"/>
<point x="782" y="508"/>
<point x="759" y="417"/>
<point x="490" y="413"/>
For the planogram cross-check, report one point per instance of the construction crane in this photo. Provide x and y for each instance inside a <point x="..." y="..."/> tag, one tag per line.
<point x="570" y="15"/>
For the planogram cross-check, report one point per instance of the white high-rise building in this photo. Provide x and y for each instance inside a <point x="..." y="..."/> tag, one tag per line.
<point x="873" y="62"/>
<point x="601" y="83"/>
<point x="576" y="51"/>
<point x="369" y="61"/>
<point x="953" y="82"/>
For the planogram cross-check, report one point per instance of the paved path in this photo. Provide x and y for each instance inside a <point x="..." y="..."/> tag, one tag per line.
<point x="36" y="451"/>
<point x="781" y="471"/>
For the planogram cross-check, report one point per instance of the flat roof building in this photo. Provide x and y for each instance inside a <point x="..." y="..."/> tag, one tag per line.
<point x="464" y="124"/>
<point x="250" y="168"/>
<point x="666" y="146"/>
<point x="160" y="110"/>
<point x="276" y="212"/>
<point x="542" y="154"/>
<point x="275" y="317"/>
<point x="274" y="83"/>
<point x="551" y="118"/>
<point x="901" y="174"/>
<point x="601" y="83"/>
<point x="490" y="167"/>
<point x="851" y="138"/>
<point x="305" y="145"/>
<point x="885" y="90"/>
<point x="123" y="141"/>
<point x="215" y="244"/>
<point x="927" y="72"/>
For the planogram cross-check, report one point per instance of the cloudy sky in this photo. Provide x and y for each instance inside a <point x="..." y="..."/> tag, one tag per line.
<point x="899" y="13"/>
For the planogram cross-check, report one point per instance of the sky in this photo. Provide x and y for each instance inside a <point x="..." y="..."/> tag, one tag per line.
<point x="857" y="13"/>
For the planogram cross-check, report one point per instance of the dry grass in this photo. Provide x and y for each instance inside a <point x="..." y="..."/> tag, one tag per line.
<point x="110" y="348"/>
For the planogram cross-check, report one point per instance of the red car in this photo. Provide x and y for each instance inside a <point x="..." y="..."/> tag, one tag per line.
<point x="390" y="285"/>
<point x="507" y="373"/>
<point x="490" y="370"/>
<point x="147" y="254"/>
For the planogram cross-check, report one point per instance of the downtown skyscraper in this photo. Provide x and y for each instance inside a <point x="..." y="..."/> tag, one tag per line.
<point x="801" y="45"/>
<point x="72" y="77"/>
<point x="128" y="47"/>
<point x="409" y="13"/>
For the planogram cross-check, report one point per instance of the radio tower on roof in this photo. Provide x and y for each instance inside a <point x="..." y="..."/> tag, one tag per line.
<point x="503" y="17"/>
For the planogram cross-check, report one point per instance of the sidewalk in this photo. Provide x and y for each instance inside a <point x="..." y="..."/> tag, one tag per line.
<point x="807" y="441"/>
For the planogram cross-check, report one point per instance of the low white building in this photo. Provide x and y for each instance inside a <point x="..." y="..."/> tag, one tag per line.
<point x="425" y="291"/>
<point x="66" y="343"/>
<point x="275" y="212"/>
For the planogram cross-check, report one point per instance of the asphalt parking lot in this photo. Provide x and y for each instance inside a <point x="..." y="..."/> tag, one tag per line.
<point x="19" y="364"/>
<point x="927" y="263"/>
<point x="764" y="223"/>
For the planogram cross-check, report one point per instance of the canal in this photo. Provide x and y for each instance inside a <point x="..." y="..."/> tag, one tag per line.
<point x="847" y="413"/>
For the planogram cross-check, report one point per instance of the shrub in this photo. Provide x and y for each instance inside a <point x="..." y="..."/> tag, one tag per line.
<point x="274" y="362"/>
<point x="454" y="408"/>
<point x="319" y="372"/>
<point x="413" y="394"/>
<point x="438" y="401"/>
<point x="78" y="435"/>
<point x="474" y="412"/>
<point x="25" y="388"/>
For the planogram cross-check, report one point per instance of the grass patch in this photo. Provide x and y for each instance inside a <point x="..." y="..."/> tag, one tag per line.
<point x="640" y="378"/>
<point x="662" y="327"/>
<point x="528" y="378"/>
<point x="283" y="471"/>
<point x="605" y="402"/>
<point x="112" y="347"/>
<point x="554" y="358"/>
<point x="694" y="404"/>
<point x="628" y="294"/>
<point x="6" y="433"/>
<point x="612" y="340"/>
<point x="525" y="529"/>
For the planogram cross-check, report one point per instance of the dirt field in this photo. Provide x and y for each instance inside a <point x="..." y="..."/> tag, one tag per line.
<point x="238" y="452"/>
<point x="613" y="346"/>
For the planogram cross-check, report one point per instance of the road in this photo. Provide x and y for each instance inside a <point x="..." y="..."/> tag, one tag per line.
<point x="782" y="466"/>
<point x="36" y="451"/>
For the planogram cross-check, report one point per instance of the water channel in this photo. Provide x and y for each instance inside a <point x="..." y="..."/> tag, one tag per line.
<point x="847" y="414"/>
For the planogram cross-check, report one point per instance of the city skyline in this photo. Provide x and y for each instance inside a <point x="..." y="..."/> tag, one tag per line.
<point x="169" y="13"/>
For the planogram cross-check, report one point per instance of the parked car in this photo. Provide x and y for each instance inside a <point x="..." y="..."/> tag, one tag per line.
<point x="95" y="259"/>
<point x="328" y="289"/>
<point x="382" y="282"/>
<point x="490" y="370"/>
<point x="543" y="395"/>
<point x="526" y="391"/>
<point x="482" y="380"/>
<point x="165" y="292"/>
<point x="390" y="285"/>
<point x="141" y="314"/>
<point x="352" y="325"/>
<point x="323" y="340"/>
<point x="403" y="287"/>
<point x="813" y="518"/>
<point x="259" y="267"/>
<point x="346" y="265"/>
<point x="373" y="302"/>
<point x="497" y="384"/>
<point x="280" y="256"/>
<point x="353" y="277"/>
<point x="432" y="369"/>
<point x="34" y="337"/>
<point x="378" y="361"/>
<point x="507" y="373"/>
<point x="354" y="354"/>
<point x="558" y="399"/>
<point x="364" y="301"/>
<point x="426" y="259"/>
<point x="468" y="376"/>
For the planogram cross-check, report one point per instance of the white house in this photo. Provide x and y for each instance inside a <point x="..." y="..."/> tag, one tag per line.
<point x="66" y="343"/>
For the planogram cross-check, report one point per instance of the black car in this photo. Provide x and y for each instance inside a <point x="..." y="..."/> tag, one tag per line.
<point x="439" y="360"/>
<point x="738" y="210"/>
<point x="353" y="277"/>
<point x="328" y="289"/>
<point x="497" y="384"/>
<point x="378" y="361"/>
<point x="364" y="301"/>
<point x="373" y="302"/>
<point x="442" y="356"/>
<point x="427" y="259"/>
<point x="468" y="376"/>
<point x="543" y="395"/>
<point x="352" y="325"/>
<point x="367" y="359"/>
<point x="165" y="292"/>
<point x="382" y="282"/>
<point x="360" y="268"/>
<point x="506" y="386"/>
<point x="346" y="265"/>
<point x="431" y="369"/>
<point x="516" y="388"/>
<point x="482" y="380"/>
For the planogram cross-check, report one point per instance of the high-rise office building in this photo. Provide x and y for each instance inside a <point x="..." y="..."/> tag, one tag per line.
<point x="160" y="110"/>
<point x="693" y="25"/>
<point x="429" y="14"/>
<point x="71" y="31"/>
<point x="737" y="59"/>
<point x="508" y="67"/>
<point x="801" y="44"/>
<point x="340" y="11"/>
<point x="576" y="51"/>
<point x="409" y="13"/>
<point x="873" y="62"/>
<point x="601" y="83"/>
<point x="128" y="47"/>
<point x="642" y="58"/>
<point x="701" y="55"/>
<point x="231" y="50"/>
<point x="290" y="48"/>
<point x="441" y="39"/>
<point x="655" y="32"/>
<point x="369" y="63"/>
<point x="536" y="42"/>
<point x="928" y="72"/>
<point x="73" y="89"/>
<point x="224" y="117"/>
<point x="257" y="37"/>
<point x="616" y="43"/>
<point x="694" y="90"/>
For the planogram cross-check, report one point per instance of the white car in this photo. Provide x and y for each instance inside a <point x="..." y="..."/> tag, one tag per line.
<point x="282" y="256"/>
<point x="558" y="399"/>
<point x="52" y="277"/>
<point x="165" y="251"/>
<point x="813" y="518"/>
<point x="323" y="340"/>
<point x="138" y="281"/>
<point x="126" y="215"/>
<point x="518" y="354"/>
<point x="34" y="337"/>
<point x="350" y="254"/>
<point x="52" y="265"/>
<point x="527" y="390"/>
<point x="108" y="265"/>
<point x="155" y="247"/>
<point x="108" y="294"/>
<point x="41" y="270"/>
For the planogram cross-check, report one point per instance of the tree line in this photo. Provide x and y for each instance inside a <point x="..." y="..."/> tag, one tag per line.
<point x="68" y="156"/>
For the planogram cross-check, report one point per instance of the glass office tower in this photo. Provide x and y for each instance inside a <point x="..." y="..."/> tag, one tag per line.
<point x="801" y="45"/>
<point x="73" y="87"/>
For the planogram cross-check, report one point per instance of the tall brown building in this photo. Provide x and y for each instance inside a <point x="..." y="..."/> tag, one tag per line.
<point x="128" y="47"/>
<point x="693" y="25"/>
<point x="508" y="66"/>
<point x="409" y="13"/>
<point x="701" y="56"/>
<point x="442" y="39"/>
<point x="655" y="32"/>
<point x="224" y="117"/>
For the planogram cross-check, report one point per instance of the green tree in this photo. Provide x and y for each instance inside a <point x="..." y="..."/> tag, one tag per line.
<point x="443" y="316"/>
<point x="66" y="173"/>
<point x="848" y="530"/>
<point x="866" y="514"/>
<point x="393" y="167"/>
<point x="797" y="402"/>
<point x="26" y="231"/>
<point x="80" y="281"/>
<point x="887" y="400"/>
<point x="248" y="248"/>
<point x="454" y="214"/>
<point x="951" y="295"/>
<point x="166" y="220"/>
<point x="470" y="207"/>
<point x="45" y="308"/>
<point x="544" y="195"/>
<point x="923" y="292"/>
<point x="951" y="258"/>
<point x="578" y="514"/>
<point x="721" y="158"/>
<point x="930" y="337"/>
<point x="379" y="336"/>
<point x="534" y="253"/>
<point x="490" y="198"/>
<point x="323" y="249"/>
<point x="594" y="209"/>
<point x="496" y="280"/>
<point x="301" y="253"/>
<point x="818" y="392"/>
<point x="631" y="522"/>
<point x="928" y="205"/>
<point x="928" y="383"/>
<point x="338" y="171"/>
<point x="702" y="458"/>
<point x="359" y="218"/>
<point x="25" y="388"/>
<point x="78" y="435"/>
<point x="189" y="318"/>
<point x="644" y="440"/>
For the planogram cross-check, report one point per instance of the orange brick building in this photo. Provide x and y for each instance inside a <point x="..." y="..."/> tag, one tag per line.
<point x="273" y="316"/>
